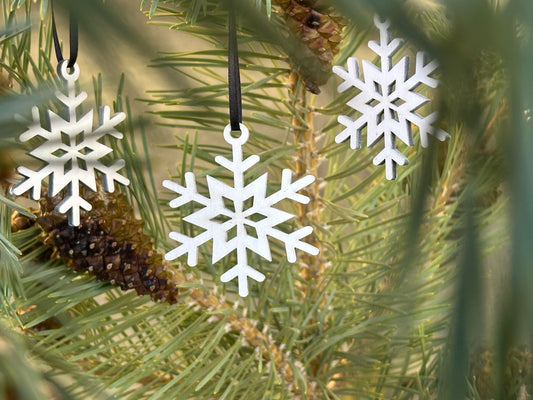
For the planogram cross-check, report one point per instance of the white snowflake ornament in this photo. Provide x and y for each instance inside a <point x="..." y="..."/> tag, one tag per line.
<point x="218" y="219"/>
<point x="388" y="101"/>
<point x="71" y="150"/>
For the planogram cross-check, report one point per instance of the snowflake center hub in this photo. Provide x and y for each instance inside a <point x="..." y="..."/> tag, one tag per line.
<point x="387" y="96"/>
<point x="243" y="216"/>
<point x="386" y="99"/>
<point x="386" y="102"/>
<point x="244" y="219"/>
<point x="239" y="218"/>
<point x="74" y="146"/>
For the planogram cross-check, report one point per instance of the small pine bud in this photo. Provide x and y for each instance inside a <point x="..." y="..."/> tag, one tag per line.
<point x="6" y="82"/>
<point x="20" y="222"/>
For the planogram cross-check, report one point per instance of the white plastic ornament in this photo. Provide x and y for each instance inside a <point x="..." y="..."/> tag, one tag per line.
<point x="388" y="101"/>
<point x="71" y="150"/>
<point x="217" y="219"/>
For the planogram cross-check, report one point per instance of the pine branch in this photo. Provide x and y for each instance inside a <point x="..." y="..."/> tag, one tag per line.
<point x="369" y="320"/>
<point x="291" y="371"/>
<point x="312" y="269"/>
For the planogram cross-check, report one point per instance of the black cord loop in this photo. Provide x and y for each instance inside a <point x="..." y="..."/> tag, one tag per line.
<point x="234" y="79"/>
<point x="73" y="38"/>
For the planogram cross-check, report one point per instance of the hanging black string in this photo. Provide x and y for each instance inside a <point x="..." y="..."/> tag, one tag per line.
<point x="234" y="79"/>
<point x="73" y="38"/>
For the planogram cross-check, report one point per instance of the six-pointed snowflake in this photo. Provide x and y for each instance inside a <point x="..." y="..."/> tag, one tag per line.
<point x="387" y="101"/>
<point x="71" y="151"/>
<point x="252" y="225"/>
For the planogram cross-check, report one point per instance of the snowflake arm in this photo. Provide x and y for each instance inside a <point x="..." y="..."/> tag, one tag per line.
<point x="426" y="128"/>
<point x="187" y="193"/>
<point x="237" y="167"/>
<point x="242" y="271"/>
<point x="35" y="129"/>
<point x="73" y="203"/>
<point x="351" y="76"/>
<point x="422" y="73"/>
<point x="289" y="190"/>
<point x="217" y="219"/>
<point x="189" y="246"/>
<point x="111" y="175"/>
<point x="387" y="101"/>
<point x="32" y="182"/>
<point x="352" y="131"/>
<point x="293" y="241"/>
<point x="108" y="123"/>
<point x="387" y="47"/>
<point x="71" y="101"/>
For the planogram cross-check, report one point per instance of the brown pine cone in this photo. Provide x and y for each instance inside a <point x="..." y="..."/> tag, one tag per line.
<point x="109" y="242"/>
<point x="319" y="28"/>
<point x="482" y="371"/>
<point x="516" y="371"/>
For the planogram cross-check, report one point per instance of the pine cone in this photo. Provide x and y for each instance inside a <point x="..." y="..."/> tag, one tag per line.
<point x="482" y="371"/>
<point x="319" y="28"/>
<point x="109" y="242"/>
<point x="517" y="371"/>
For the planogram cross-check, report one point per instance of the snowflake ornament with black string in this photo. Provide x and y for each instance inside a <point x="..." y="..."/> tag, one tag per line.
<point x="93" y="229"/>
<point x="260" y="218"/>
<point x="71" y="148"/>
<point x="388" y="101"/>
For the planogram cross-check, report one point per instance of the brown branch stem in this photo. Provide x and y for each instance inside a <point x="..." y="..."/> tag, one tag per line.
<point x="311" y="268"/>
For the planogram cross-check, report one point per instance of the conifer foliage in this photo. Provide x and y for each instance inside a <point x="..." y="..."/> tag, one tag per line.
<point x="403" y="301"/>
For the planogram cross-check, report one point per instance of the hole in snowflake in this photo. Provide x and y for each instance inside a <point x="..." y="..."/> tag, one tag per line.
<point x="68" y="165"/>
<point x="377" y="87"/>
<point x="398" y="102"/>
<point x="392" y="88"/>
<point x="65" y="138"/>
<point x="247" y="204"/>
<point x="380" y="117"/>
<point x="86" y="150"/>
<point x="256" y="217"/>
<point x="235" y="134"/>
<point x="59" y="153"/>
<point x="221" y="218"/>
<point x="394" y="114"/>
<point x="251" y="231"/>
<point x="228" y="204"/>
<point x="191" y="208"/>
<point x="231" y="233"/>
<point x="373" y="103"/>
<point x="82" y="164"/>
<point x="80" y="137"/>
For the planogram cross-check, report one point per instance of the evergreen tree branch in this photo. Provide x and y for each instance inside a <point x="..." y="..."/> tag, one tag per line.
<point x="292" y="371"/>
